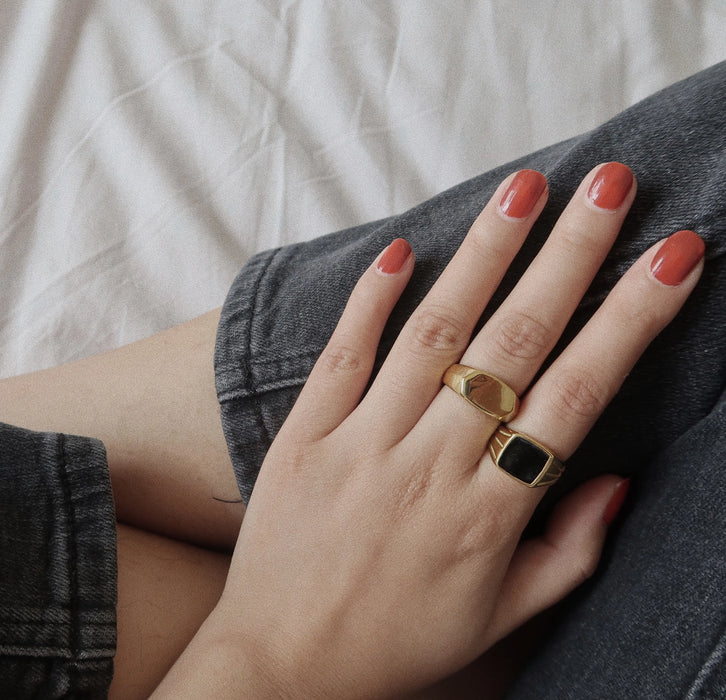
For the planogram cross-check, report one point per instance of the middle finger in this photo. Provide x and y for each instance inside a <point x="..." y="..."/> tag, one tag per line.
<point x="519" y="336"/>
<point x="440" y="328"/>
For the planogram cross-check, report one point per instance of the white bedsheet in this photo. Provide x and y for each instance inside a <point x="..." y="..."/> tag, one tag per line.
<point x="147" y="148"/>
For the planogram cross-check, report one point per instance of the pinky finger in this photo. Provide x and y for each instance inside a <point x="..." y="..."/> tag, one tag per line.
<point x="343" y="370"/>
<point x="545" y="569"/>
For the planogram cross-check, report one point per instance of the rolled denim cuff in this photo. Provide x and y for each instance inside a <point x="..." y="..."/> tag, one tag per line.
<point x="58" y="577"/>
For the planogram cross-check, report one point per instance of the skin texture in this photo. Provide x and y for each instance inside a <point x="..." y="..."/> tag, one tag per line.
<point x="166" y="589"/>
<point x="154" y="406"/>
<point x="381" y="549"/>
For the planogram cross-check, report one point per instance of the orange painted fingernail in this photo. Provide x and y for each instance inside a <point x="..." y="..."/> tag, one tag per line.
<point x="394" y="257"/>
<point x="677" y="257"/>
<point x="610" y="186"/>
<point x="616" y="501"/>
<point x="522" y="194"/>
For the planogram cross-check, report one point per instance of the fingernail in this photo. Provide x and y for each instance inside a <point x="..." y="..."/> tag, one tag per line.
<point x="522" y="194"/>
<point x="610" y="186"/>
<point x="677" y="257"/>
<point x="394" y="256"/>
<point x="616" y="501"/>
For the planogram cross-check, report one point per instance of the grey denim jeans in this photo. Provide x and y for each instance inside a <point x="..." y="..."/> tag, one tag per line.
<point x="57" y="567"/>
<point x="651" y="624"/>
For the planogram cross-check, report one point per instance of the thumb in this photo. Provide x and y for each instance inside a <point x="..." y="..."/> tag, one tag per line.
<point x="545" y="569"/>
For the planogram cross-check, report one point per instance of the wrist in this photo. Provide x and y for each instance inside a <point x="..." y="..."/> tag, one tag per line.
<point x="220" y="664"/>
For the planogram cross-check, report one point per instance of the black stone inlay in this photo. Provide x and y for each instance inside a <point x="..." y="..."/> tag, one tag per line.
<point x="522" y="459"/>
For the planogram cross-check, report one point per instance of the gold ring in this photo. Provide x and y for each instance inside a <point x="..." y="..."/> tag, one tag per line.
<point x="484" y="391"/>
<point x="523" y="458"/>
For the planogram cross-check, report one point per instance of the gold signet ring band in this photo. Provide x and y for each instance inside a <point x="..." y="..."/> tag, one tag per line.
<point x="487" y="393"/>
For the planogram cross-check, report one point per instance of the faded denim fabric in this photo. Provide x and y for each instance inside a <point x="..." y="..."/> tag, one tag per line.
<point x="284" y="304"/>
<point x="652" y="624"/>
<point x="57" y="567"/>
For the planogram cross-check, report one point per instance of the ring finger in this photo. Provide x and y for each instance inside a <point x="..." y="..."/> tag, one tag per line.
<point x="440" y="328"/>
<point x="561" y="408"/>
<point x="563" y="405"/>
<point x="519" y="336"/>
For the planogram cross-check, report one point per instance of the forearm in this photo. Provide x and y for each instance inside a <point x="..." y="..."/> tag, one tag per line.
<point x="153" y="404"/>
<point x="166" y="590"/>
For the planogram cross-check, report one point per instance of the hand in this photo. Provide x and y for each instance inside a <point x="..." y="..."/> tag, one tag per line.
<point x="381" y="548"/>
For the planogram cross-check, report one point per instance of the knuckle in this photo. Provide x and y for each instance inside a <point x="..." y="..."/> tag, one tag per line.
<point x="489" y="252"/>
<point x="478" y="535"/>
<point x="578" y="394"/>
<point x="412" y="492"/>
<point x="437" y="331"/>
<point x="521" y="337"/>
<point x="576" y="237"/>
<point x="577" y="564"/>
<point x="342" y="359"/>
<point x="585" y="567"/>
<point x="572" y="240"/>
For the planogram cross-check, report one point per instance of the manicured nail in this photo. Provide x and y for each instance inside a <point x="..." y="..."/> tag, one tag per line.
<point x="394" y="256"/>
<point x="616" y="501"/>
<point x="677" y="257"/>
<point x="522" y="194"/>
<point x="610" y="186"/>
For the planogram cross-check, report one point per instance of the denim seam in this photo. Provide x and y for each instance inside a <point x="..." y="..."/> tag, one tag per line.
<point x="705" y="673"/>
<point x="72" y="554"/>
<point x="266" y="360"/>
<point x="247" y="393"/>
<point x="248" y="378"/>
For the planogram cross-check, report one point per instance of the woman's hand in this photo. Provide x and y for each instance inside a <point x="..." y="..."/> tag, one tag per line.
<point x="381" y="548"/>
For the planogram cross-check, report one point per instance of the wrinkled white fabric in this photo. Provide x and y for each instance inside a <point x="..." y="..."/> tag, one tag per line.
<point x="147" y="148"/>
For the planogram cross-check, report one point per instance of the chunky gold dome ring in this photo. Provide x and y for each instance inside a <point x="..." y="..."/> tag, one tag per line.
<point x="487" y="393"/>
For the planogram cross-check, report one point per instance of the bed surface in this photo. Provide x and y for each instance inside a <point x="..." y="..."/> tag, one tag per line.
<point x="148" y="148"/>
